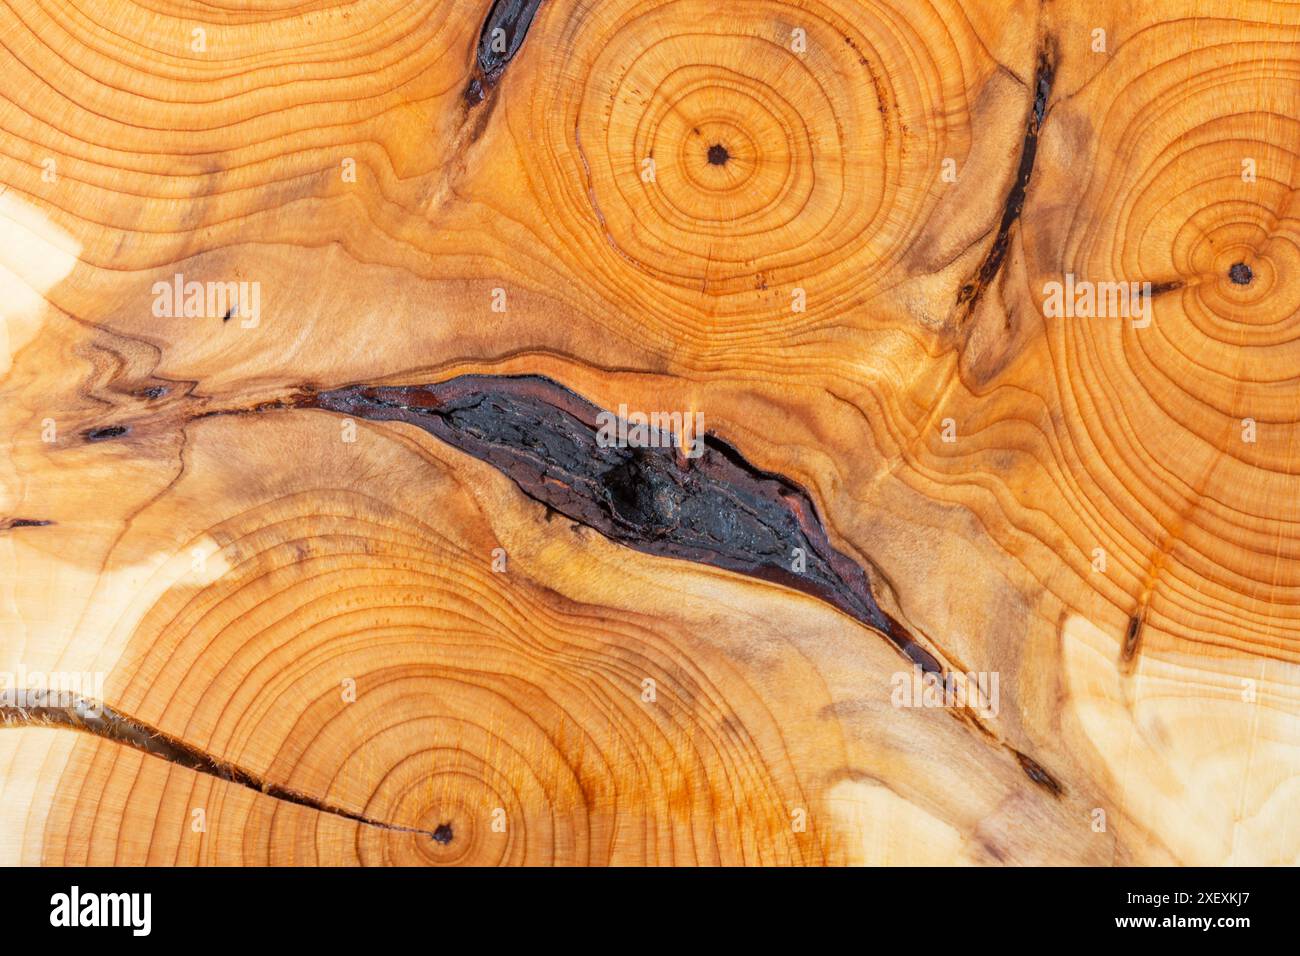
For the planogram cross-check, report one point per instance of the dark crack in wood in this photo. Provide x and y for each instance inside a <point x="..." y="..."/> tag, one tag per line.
<point x="55" y="709"/>
<point x="716" y="509"/>
<point x="502" y="36"/>
<point x="106" y="433"/>
<point x="973" y="290"/>
<point x="1131" y="639"/>
<point x="1035" y="772"/>
<point x="8" y="524"/>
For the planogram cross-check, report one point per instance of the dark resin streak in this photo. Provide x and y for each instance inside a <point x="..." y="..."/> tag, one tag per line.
<point x="715" y="509"/>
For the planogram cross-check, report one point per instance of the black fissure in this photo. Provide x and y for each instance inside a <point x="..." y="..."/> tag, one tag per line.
<point x="971" y="293"/>
<point x="52" y="709"/>
<point x="705" y="504"/>
<point x="1132" y="636"/>
<point x="502" y="35"/>
<point x="8" y="524"/>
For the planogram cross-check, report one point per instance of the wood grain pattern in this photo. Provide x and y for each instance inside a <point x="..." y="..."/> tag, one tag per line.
<point x="344" y="573"/>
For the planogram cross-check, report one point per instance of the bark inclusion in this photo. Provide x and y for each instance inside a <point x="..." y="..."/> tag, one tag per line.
<point x="715" y="509"/>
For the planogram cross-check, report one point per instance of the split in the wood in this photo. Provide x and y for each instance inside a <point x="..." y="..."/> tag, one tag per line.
<point x="8" y="524"/>
<point x="502" y="35"/>
<point x="58" y="709"/>
<point x="1036" y="773"/>
<point x="105" y="433"/>
<point x="973" y="290"/>
<point x="1131" y="637"/>
<point x="715" y="508"/>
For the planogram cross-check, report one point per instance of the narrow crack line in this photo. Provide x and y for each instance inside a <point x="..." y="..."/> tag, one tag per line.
<point x="8" y="524"/>
<point x="1034" y="770"/>
<point x="52" y="708"/>
<point x="1160" y="288"/>
<point x="973" y="290"/>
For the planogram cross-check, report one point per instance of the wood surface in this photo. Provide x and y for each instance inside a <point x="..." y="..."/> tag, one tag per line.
<point x="352" y="577"/>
